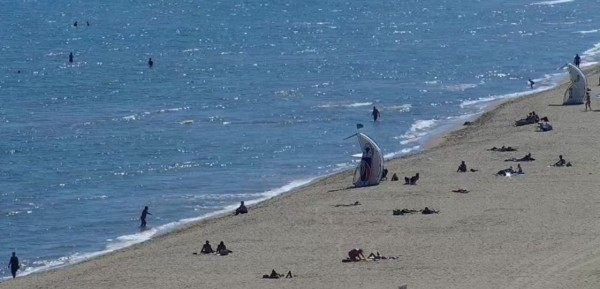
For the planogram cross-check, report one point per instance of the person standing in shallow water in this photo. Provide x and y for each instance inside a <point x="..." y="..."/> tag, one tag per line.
<point x="71" y="57"/>
<point x="13" y="265"/>
<point x="375" y="113"/>
<point x="143" y="217"/>
<point x="150" y="62"/>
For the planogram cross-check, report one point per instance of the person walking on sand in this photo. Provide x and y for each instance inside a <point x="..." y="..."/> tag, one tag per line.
<point x="588" y="101"/>
<point x="14" y="265"/>
<point x="145" y="213"/>
<point x="375" y="113"/>
<point x="577" y="60"/>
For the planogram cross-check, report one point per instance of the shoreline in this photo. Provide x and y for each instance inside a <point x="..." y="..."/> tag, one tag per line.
<point x="330" y="186"/>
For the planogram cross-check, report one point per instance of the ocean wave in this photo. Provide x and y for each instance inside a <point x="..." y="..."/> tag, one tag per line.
<point x="459" y="87"/>
<point x="587" y="31"/>
<point x="553" y="2"/>
<point x="356" y="104"/>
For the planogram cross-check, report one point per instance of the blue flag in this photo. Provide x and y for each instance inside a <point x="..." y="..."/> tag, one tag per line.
<point x="359" y="126"/>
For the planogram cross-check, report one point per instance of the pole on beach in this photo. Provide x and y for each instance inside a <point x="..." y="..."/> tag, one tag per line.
<point x="358" y="126"/>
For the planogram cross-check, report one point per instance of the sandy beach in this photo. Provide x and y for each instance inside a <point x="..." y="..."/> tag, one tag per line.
<point x="538" y="230"/>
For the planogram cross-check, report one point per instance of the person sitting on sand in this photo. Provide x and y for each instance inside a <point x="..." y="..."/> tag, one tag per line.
<point x="412" y="180"/>
<point x="520" y="170"/>
<point x="356" y="255"/>
<point x="545" y="125"/>
<point x="394" y="177"/>
<point x="506" y="172"/>
<point x="222" y="250"/>
<point x="428" y="211"/>
<point x="526" y="158"/>
<point x="207" y="248"/>
<point x="241" y="209"/>
<point x="273" y="275"/>
<point x="561" y="162"/>
<point x="462" y="168"/>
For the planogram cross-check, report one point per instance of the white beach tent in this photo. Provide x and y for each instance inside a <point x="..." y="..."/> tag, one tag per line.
<point x="575" y="94"/>
<point x="370" y="169"/>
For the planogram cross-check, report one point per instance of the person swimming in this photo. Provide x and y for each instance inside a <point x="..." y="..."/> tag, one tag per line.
<point x="375" y="114"/>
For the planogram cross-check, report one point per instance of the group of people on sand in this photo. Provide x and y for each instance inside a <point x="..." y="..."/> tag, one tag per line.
<point x="221" y="249"/>
<point x="425" y="211"/>
<point x="356" y="255"/>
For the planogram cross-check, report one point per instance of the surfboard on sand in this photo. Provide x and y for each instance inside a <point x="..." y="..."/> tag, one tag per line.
<point x="370" y="169"/>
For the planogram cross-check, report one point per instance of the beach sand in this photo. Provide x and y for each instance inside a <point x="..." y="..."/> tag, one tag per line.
<point x="539" y="230"/>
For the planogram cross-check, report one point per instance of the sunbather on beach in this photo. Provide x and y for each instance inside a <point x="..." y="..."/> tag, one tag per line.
<point x="502" y="149"/>
<point x="428" y="211"/>
<point x="207" y="249"/>
<point x="222" y="250"/>
<point x="412" y="180"/>
<point x="519" y="170"/>
<point x="404" y="212"/>
<point x="561" y="162"/>
<point x="241" y="209"/>
<point x="356" y="255"/>
<point x="545" y="126"/>
<point x="462" y="168"/>
<point x="526" y="158"/>
<point x="394" y="177"/>
<point x="531" y="118"/>
<point x="506" y="172"/>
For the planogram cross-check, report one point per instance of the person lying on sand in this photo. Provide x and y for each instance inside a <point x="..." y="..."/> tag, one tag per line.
<point x="526" y="158"/>
<point x="404" y="212"/>
<point x="357" y="203"/>
<point x="462" y="191"/>
<point x="506" y="172"/>
<point x="428" y="211"/>
<point x="531" y="118"/>
<point x="503" y="149"/>
<point x="275" y="275"/>
<point x="379" y="256"/>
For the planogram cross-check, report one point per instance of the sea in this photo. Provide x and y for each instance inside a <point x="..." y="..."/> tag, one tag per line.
<point x="246" y="100"/>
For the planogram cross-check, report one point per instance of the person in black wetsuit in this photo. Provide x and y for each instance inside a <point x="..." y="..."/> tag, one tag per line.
<point x="375" y="114"/>
<point x="14" y="265"/>
<point x="71" y="57"/>
<point x="143" y="217"/>
<point x="577" y="60"/>
<point x="150" y="63"/>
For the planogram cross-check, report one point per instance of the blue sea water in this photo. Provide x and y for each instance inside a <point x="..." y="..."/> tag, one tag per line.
<point x="246" y="100"/>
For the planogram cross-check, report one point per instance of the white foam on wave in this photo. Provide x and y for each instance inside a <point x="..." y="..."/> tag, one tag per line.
<point x="587" y="31"/>
<point x="400" y="108"/>
<point x="136" y="238"/>
<point x="553" y="2"/>
<point x="355" y="104"/>
<point x="459" y="87"/>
